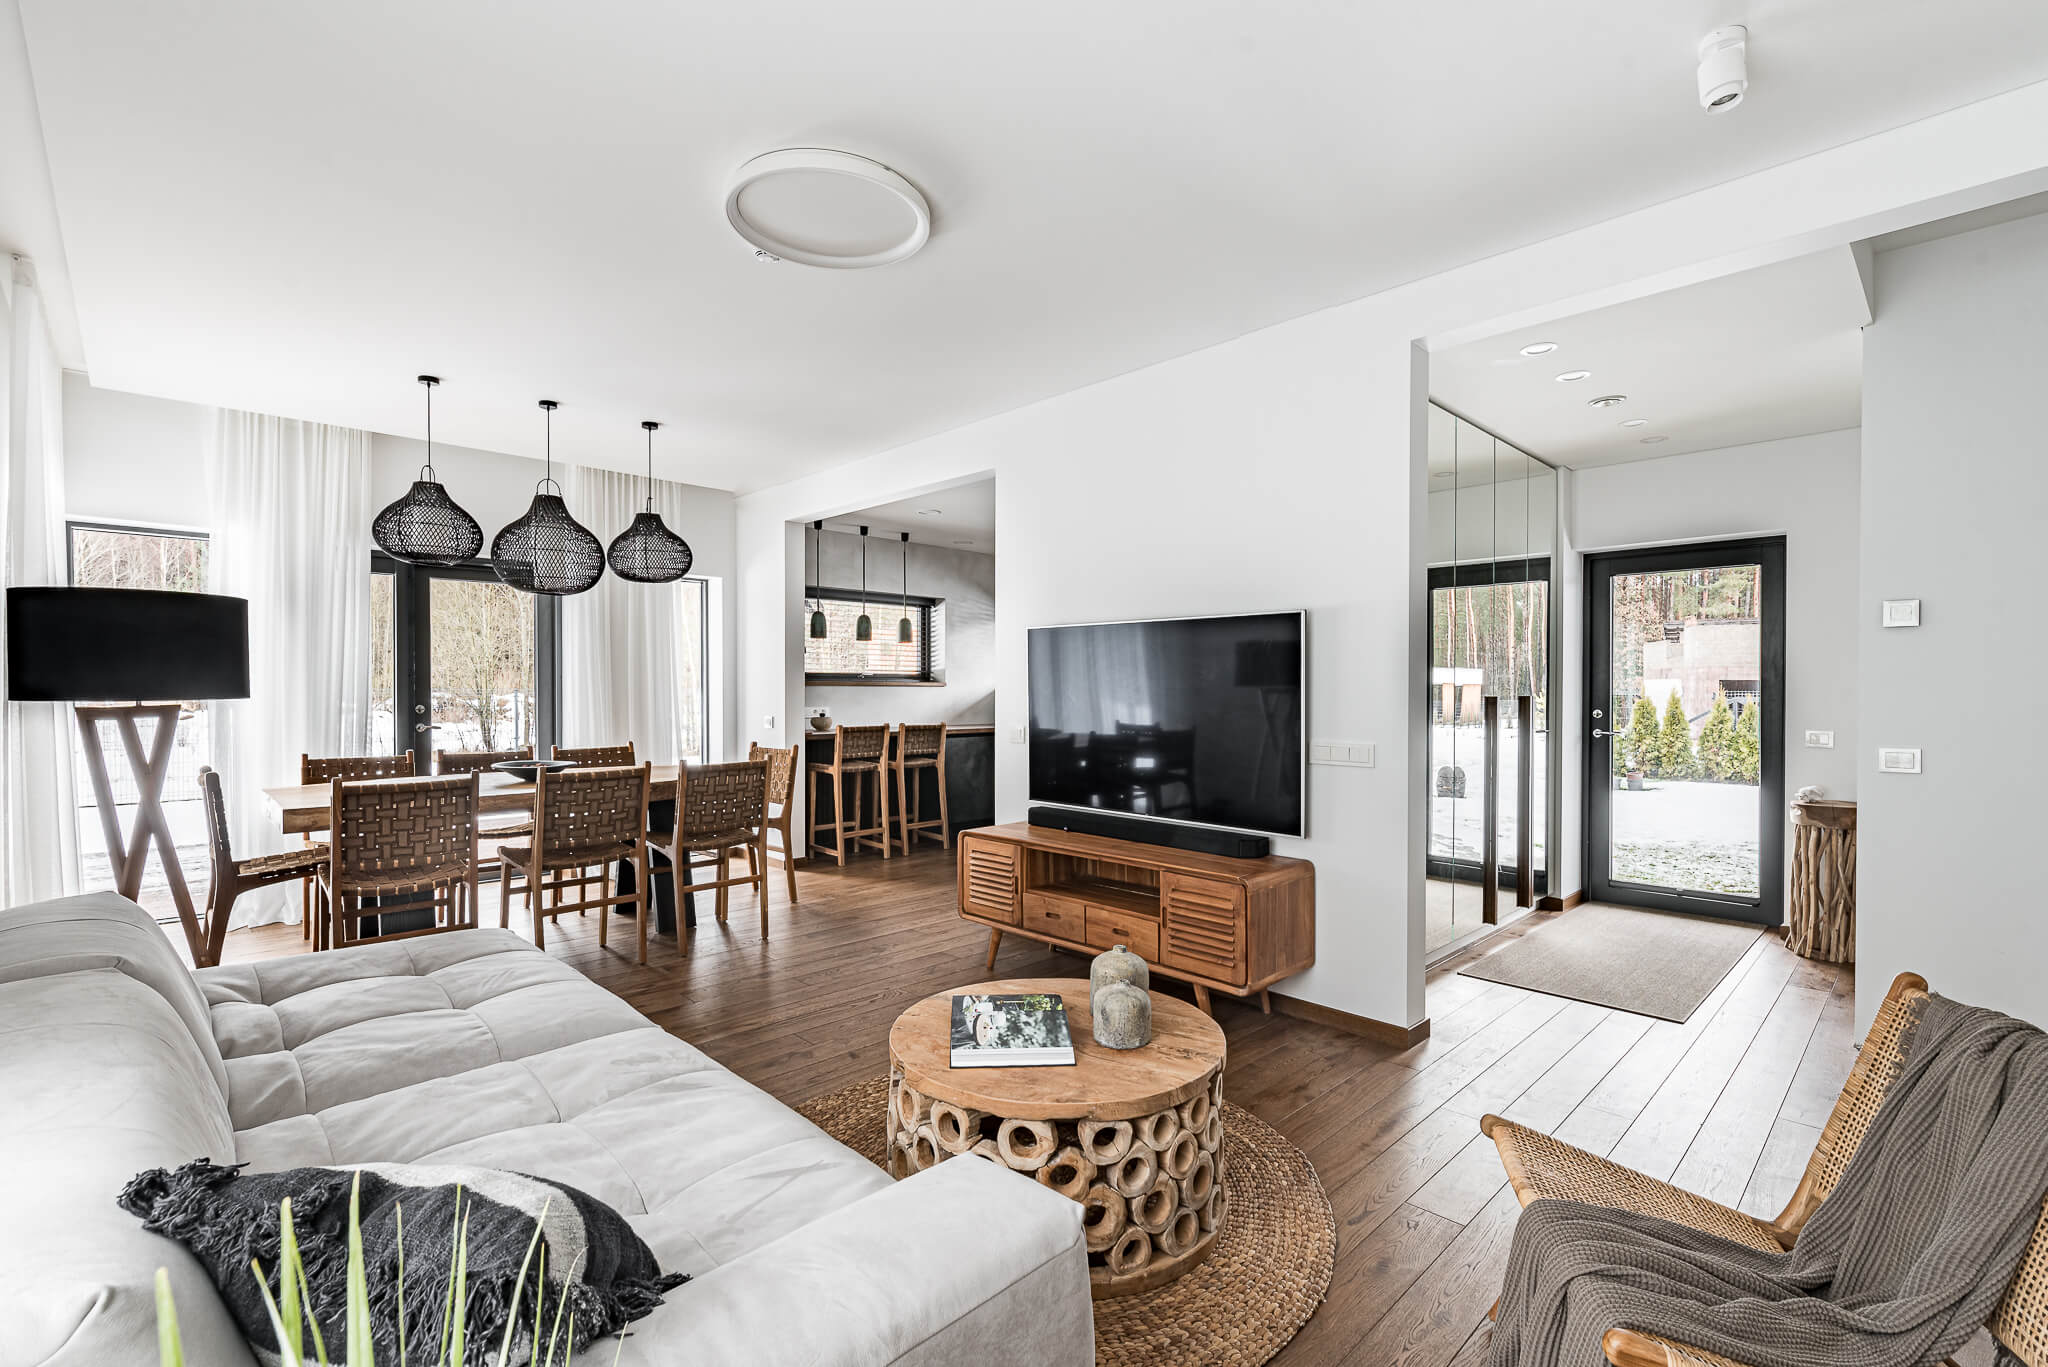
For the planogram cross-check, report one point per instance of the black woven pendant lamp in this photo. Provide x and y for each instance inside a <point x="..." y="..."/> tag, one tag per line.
<point x="648" y="552"/>
<point x="547" y="551"/>
<point x="903" y="632"/>
<point x="425" y="527"/>
<point x="864" y="629"/>
<point x="817" y="568"/>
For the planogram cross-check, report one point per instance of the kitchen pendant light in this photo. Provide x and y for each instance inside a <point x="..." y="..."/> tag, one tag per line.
<point x="903" y="631"/>
<point x="648" y="552"/>
<point x="425" y="527"/>
<point x="547" y="551"/>
<point x="817" y="570"/>
<point x="864" y="629"/>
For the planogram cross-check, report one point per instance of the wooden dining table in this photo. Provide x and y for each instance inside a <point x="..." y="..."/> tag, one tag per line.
<point x="298" y="808"/>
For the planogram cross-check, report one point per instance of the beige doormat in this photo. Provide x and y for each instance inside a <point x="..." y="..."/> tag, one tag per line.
<point x="1268" y="1274"/>
<point x="1654" y="963"/>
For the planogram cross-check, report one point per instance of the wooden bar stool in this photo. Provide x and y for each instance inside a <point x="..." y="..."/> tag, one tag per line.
<point x="857" y="753"/>
<point x="232" y="877"/>
<point x="781" y="809"/>
<point x="920" y="748"/>
<point x="326" y="769"/>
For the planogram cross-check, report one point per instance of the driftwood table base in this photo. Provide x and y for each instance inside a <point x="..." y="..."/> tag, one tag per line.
<point x="1136" y="1137"/>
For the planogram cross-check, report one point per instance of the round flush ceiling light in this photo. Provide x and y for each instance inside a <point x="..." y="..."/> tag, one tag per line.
<point x="1652" y="441"/>
<point x="1608" y="401"/>
<point x="818" y="207"/>
<point x="1539" y="348"/>
<point x="1636" y="422"/>
<point x="1571" y="375"/>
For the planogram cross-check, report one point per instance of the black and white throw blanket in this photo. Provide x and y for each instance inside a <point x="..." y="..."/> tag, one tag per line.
<point x="1904" y="1261"/>
<point x="228" y="1218"/>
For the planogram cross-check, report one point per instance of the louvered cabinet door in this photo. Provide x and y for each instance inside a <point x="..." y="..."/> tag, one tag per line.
<point x="1202" y="927"/>
<point x="989" y="880"/>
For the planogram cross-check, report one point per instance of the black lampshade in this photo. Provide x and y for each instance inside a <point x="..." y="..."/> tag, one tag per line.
<point x="818" y="604"/>
<point x="864" y="628"/>
<point x="426" y="527"/>
<point x="125" y="645"/>
<point x="818" y="624"/>
<point x="648" y="552"/>
<point x="547" y="551"/>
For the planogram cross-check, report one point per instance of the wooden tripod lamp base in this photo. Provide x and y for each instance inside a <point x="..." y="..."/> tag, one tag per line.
<point x="130" y="853"/>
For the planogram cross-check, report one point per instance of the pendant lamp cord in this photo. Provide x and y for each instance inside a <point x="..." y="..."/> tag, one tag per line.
<point x="863" y="571"/>
<point x="427" y="471"/>
<point x="650" y="469"/>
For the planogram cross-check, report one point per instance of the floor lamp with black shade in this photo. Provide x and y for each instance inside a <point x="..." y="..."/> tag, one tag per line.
<point x="105" y="650"/>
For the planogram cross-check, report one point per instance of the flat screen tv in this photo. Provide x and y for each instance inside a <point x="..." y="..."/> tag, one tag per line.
<point x="1188" y="719"/>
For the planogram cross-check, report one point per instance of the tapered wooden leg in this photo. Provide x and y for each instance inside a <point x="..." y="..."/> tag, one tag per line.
<point x="504" y="896"/>
<point x="759" y="849"/>
<point x="1265" y="1001"/>
<point x="882" y="802"/>
<point x="1202" y="999"/>
<point x="644" y="913"/>
<point x="788" y="859"/>
<point x="220" y="905"/>
<point x="604" y="914"/>
<point x="945" y="817"/>
<point x="719" y="871"/>
<point x="995" y="940"/>
<point x="839" y="813"/>
<point x="540" y="920"/>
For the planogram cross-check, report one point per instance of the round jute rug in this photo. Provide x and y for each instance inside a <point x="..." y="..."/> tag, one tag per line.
<point x="1268" y="1274"/>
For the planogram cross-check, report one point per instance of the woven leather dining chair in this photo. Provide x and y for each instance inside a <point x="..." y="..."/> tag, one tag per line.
<point x="781" y="810"/>
<point x="231" y="877"/>
<point x="920" y="750"/>
<point x="595" y="756"/>
<point x="410" y="843"/>
<point x="720" y="810"/>
<point x="1539" y="1166"/>
<point x="492" y="827"/>
<point x="584" y="820"/>
<point x="326" y="769"/>
<point x="857" y="754"/>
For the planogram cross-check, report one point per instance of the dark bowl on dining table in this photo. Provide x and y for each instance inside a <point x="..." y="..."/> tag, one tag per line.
<point x="529" y="769"/>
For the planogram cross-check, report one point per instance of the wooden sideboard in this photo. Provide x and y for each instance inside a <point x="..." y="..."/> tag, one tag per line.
<point x="1224" y="925"/>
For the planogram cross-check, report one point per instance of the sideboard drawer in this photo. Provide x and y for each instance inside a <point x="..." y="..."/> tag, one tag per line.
<point x="1108" y="927"/>
<point x="1060" y="916"/>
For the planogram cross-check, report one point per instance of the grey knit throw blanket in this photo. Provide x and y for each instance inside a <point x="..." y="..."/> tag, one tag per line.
<point x="1904" y="1261"/>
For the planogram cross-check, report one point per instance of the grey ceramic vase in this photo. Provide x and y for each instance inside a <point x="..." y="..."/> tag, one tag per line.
<point x="1122" y="1015"/>
<point x="1117" y="965"/>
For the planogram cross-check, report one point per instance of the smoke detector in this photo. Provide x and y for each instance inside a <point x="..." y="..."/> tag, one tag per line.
<point x="1724" y="68"/>
<point x="817" y="207"/>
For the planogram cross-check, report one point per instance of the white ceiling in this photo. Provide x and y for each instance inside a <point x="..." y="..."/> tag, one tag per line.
<point x="964" y="513"/>
<point x="1767" y="353"/>
<point x="296" y="208"/>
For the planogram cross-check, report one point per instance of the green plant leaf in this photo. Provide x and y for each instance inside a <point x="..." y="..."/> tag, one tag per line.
<point x="290" y="1277"/>
<point x="519" y="1285"/>
<point x="288" y="1354"/>
<point x="170" y="1348"/>
<point x="362" y="1347"/>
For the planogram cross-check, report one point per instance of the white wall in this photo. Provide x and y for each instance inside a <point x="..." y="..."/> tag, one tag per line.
<point x="966" y="580"/>
<point x="1954" y="513"/>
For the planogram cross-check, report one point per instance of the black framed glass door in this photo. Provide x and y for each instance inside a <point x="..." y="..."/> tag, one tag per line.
<point x="1685" y="687"/>
<point x="460" y="660"/>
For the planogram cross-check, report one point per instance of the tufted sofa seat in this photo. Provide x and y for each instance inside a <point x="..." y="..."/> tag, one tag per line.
<point x="474" y="1047"/>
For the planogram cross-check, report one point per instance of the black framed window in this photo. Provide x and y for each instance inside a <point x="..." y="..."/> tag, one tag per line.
<point x="838" y="657"/>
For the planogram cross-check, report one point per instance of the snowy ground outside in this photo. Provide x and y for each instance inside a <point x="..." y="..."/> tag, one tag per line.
<point x="1701" y="836"/>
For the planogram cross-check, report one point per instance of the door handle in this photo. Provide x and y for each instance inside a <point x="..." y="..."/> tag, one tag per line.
<point x="1598" y="733"/>
<point x="421" y="728"/>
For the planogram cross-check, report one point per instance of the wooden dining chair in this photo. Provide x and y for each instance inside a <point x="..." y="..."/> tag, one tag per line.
<point x="231" y="877"/>
<point x="326" y="769"/>
<point x="596" y="756"/>
<point x="492" y="827"/>
<point x="720" y="810"/>
<point x="781" y="809"/>
<point x="408" y="843"/>
<point x="920" y="750"/>
<point x="857" y="754"/>
<point x="584" y="820"/>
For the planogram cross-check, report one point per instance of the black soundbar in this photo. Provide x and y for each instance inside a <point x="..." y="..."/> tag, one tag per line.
<point x="1201" y="839"/>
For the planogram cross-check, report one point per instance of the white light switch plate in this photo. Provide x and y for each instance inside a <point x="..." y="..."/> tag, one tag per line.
<point x="1820" y="740"/>
<point x="1352" y="753"/>
<point x="1016" y="735"/>
<point x="1896" y="761"/>
<point x="1902" y="612"/>
<point x="768" y="722"/>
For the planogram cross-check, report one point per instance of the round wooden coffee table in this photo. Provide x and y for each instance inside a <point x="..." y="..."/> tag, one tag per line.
<point x="1134" y="1135"/>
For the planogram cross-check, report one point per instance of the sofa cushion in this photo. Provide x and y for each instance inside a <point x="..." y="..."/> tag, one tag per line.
<point x="102" y="1080"/>
<point x="103" y="930"/>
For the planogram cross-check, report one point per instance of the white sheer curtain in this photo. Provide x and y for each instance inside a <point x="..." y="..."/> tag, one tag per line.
<point x="38" y="807"/>
<point x="621" y="676"/>
<point x="290" y="523"/>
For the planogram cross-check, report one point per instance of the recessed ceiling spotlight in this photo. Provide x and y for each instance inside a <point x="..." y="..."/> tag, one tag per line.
<point x="1571" y="375"/>
<point x="818" y="207"/>
<point x="1608" y="401"/>
<point x="1636" y="422"/>
<point x="963" y="543"/>
<point x="1539" y="348"/>
<point x="1652" y="441"/>
<point x="930" y="512"/>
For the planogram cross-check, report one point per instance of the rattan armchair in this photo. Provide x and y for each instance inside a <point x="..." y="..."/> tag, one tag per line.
<point x="596" y="756"/>
<point x="720" y="810"/>
<point x="326" y="769"/>
<point x="781" y="787"/>
<point x="1539" y="1166"/>
<point x="404" y="845"/>
<point x="583" y="821"/>
<point x="231" y="877"/>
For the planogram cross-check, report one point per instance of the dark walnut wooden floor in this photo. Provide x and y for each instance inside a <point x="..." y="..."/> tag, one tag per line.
<point x="1728" y="1104"/>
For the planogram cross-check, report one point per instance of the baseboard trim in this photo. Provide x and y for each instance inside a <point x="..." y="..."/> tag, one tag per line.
<point x="1401" y="1037"/>
<point x="1565" y="903"/>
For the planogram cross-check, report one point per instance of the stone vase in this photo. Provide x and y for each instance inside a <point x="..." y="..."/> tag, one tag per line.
<point x="1117" y="965"/>
<point x="1122" y="1015"/>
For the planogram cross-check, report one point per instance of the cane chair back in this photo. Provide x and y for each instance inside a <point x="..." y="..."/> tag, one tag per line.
<point x="590" y="816"/>
<point x="596" y="756"/>
<point x="920" y="742"/>
<point x="720" y="803"/>
<point x="475" y="761"/>
<point x="403" y="835"/>
<point x="859" y="744"/>
<point x="781" y="770"/>
<point x="327" y="768"/>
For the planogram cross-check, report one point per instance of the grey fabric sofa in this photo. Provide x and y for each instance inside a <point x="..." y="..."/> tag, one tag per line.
<point x="474" y="1047"/>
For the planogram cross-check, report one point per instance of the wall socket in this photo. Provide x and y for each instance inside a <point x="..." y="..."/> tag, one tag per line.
<point x="1820" y="740"/>
<point x="1896" y="761"/>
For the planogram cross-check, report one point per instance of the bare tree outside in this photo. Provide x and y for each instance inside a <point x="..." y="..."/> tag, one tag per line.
<point x="483" y="664"/>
